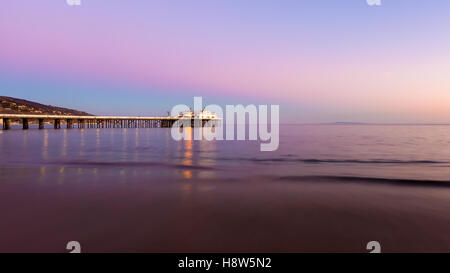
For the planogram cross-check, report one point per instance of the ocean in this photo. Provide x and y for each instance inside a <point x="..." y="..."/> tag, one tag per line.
<point x="328" y="188"/>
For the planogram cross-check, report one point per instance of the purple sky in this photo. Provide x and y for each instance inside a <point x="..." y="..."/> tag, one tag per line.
<point x="322" y="61"/>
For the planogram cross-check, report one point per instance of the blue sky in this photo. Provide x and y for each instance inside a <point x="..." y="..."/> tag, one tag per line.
<point x="321" y="60"/>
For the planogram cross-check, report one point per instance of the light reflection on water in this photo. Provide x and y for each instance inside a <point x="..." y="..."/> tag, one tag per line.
<point x="45" y="146"/>
<point x="97" y="185"/>
<point x="187" y="160"/>
<point x="413" y="152"/>
<point x="64" y="145"/>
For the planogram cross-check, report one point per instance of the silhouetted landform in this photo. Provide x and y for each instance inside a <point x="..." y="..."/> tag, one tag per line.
<point x="10" y="105"/>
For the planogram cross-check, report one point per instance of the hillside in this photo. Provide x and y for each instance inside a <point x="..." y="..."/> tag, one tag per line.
<point x="10" y="105"/>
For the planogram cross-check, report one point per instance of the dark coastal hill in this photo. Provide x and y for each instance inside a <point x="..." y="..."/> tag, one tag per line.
<point x="10" y="105"/>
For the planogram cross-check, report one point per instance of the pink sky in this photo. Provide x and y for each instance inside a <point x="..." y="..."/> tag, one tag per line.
<point x="321" y="62"/>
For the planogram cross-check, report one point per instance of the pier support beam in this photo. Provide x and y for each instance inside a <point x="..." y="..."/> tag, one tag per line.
<point x="41" y="123"/>
<point x="6" y="124"/>
<point x="57" y="124"/>
<point x="108" y="122"/>
<point x="25" y="123"/>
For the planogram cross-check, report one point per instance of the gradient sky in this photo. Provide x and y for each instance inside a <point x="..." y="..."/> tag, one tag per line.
<point x="321" y="60"/>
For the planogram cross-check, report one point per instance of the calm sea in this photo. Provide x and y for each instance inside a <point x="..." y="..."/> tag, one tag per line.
<point x="328" y="188"/>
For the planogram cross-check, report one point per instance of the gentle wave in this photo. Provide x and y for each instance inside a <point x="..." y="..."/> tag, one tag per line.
<point x="356" y="161"/>
<point x="362" y="179"/>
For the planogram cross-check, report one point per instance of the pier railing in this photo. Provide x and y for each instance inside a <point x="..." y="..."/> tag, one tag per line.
<point x="95" y="121"/>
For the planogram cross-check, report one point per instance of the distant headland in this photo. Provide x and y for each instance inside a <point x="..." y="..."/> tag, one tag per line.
<point x="9" y="105"/>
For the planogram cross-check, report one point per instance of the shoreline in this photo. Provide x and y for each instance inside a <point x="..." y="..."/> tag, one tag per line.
<point x="224" y="216"/>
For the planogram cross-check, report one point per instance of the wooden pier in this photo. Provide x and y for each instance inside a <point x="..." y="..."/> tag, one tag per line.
<point x="95" y="121"/>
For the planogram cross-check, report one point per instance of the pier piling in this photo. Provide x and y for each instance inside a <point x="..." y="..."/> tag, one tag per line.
<point x="69" y="124"/>
<point x="57" y="124"/>
<point x="41" y="123"/>
<point x="6" y="123"/>
<point x="25" y="123"/>
<point x="96" y="121"/>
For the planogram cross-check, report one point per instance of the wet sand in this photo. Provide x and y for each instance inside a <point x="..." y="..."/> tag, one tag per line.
<point x="257" y="214"/>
